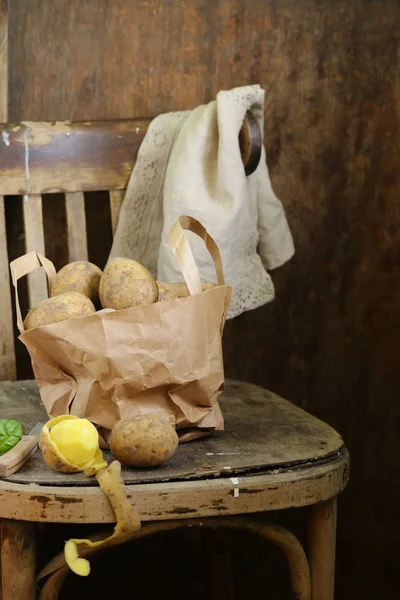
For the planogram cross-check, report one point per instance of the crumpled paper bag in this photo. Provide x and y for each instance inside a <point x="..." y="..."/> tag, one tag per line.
<point x="163" y="359"/>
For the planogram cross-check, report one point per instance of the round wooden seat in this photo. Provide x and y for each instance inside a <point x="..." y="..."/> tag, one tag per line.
<point x="271" y="456"/>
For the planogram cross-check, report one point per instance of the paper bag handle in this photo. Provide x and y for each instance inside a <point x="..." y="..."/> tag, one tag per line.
<point x="180" y="247"/>
<point x="22" y="266"/>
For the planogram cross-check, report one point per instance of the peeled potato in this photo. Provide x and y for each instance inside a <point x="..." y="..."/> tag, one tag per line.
<point x="143" y="441"/>
<point x="126" y="283"/>
<point x="70" y="445"/>
<point x="60" y="308"/>
<point x="80" y="276"/>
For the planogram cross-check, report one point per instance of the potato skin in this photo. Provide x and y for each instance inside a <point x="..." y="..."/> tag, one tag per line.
<point x="126" y="283"/>
<point x="51" y="458"/>
<point x="143" y="441"/>
<point x="165" y="292"/>
<point x="79" y="276"/>
<point x="169" y="291"/>
<point x="70" y="305"/>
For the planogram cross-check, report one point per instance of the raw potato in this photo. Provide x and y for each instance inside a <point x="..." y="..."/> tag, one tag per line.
<point x="60" y="308"/>
<point x="51" y="457"/>
<point x="168" y="291"/>
<point x="55" y="459"/>
<point x="127" y="283"/>
<point x="143" y="441"/>
<point x="80" y="276"/>
<point x="106" y="310"/>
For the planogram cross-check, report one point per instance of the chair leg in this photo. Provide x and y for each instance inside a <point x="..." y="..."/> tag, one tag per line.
<point x="322" y="549"/>
<point x="296" y="558"/>
<point x="289" y="545"/>
<point x="1" y="592"/>
<point x="18" y="560"/>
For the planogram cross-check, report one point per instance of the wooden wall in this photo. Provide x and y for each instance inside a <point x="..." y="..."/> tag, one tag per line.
<point x="4" y="59"/>
<point x="330" y="340"/>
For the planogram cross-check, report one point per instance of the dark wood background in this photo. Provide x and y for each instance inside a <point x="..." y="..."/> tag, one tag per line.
<point x="330" y="340"/>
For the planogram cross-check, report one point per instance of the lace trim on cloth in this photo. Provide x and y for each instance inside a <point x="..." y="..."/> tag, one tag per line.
<point x="189" y="163"/>
<point x="140" y="221"/>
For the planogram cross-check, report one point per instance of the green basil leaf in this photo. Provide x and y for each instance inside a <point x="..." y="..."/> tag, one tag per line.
<point x="10" y="434"/>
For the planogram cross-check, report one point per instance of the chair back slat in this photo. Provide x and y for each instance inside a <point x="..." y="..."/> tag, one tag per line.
<point x="7" y="349"/>
<point x="116" y="198"/>
<point x="43" y="157"/>
<point x="34" y="240"/>
<point x="76" y="226"/>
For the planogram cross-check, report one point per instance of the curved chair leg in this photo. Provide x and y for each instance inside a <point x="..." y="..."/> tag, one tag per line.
<point x="322" y="546"/>
<point x="281" y="537"/>
<point x="290" y="547"/>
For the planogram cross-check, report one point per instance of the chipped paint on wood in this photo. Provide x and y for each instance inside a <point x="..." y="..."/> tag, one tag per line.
<point x="68" y="157"/>
<point x="295" y="487"/>
<point x="7" y="349"/>
<point x="43" y="133"/>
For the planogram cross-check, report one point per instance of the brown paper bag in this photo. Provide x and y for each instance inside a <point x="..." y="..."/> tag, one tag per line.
<point x="163" y="359"/>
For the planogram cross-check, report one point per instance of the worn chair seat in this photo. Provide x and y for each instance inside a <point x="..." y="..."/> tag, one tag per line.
<point x="271" y="456"/>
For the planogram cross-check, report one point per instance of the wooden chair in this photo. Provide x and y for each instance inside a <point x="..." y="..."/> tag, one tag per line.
<point x="272" y="456"/>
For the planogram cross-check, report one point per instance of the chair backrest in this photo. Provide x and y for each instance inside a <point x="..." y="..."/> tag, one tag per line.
<point x="69" y="158"/>
<point x="38" y="158"/>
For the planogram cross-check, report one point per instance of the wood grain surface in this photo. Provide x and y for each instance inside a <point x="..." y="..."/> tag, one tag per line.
<point x="3" y="60"/>
<point x="34" y="240"/>
<point x="288" y="488"/>
<point x="76" y="226"/>
<point x="7" y="355"/>
<point x="18" y="558"/>
<point x="262" y="432"/>
<point x="49" y="157"/>
<point x="322" y="548"/>
<point x="329" y="341"/>
<point x="274" y="454"/>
